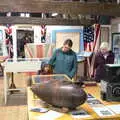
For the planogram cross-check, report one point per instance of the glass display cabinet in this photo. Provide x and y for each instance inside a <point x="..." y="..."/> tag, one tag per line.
<point x="116" y="46"/>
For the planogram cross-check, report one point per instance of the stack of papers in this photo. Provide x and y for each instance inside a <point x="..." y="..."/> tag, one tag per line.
<point x="103" y="111"/>
<point x="115" y="108"/>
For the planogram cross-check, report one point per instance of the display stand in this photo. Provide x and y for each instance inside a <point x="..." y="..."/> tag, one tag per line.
<point x="86" y="55"/>
<point x="14" y="66"/>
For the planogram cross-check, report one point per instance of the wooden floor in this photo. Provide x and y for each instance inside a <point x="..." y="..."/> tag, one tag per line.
<point x="16" y="107"/>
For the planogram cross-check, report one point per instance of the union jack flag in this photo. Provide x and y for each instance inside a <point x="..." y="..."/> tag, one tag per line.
<point x="9" y="40"/>
<point x="43" y="33"/>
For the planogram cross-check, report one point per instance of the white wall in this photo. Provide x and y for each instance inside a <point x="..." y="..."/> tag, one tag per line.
<point x="50" y="28"/>
<point x="37" y="33"/>
<point x="115" y="25"/>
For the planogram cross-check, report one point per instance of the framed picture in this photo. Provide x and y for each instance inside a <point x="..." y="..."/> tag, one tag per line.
<point x="116" y="46"/>
<point x="76" y="35"/>
<point x="116" y="42"/>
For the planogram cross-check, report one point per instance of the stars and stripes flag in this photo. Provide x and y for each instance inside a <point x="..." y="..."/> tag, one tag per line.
<point x="88" y="37"/>
<point x="91" y="37"/>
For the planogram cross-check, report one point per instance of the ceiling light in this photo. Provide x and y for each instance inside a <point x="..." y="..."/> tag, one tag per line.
<point x="27" y="14"/>
<point x="22" y="14"/>
<point x="54" y="14"/>
<point x="8" y="14"/>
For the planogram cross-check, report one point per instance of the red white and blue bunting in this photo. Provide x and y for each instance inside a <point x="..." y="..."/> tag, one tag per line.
<point x="9" y="40"/>
<point x="43" y="33"/>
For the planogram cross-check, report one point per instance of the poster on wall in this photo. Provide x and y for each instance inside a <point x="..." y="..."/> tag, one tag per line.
<point x="74" y="36"/>
<point x="23" y="37"/>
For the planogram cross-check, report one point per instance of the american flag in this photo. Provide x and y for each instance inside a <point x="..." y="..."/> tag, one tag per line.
<point x="91" y="39"/>
<point x="91" y="36"/>
<point x="88" y="37"/>
<point x="97" y="31"/>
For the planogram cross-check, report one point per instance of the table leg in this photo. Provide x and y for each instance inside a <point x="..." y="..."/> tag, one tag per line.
<point x="1" y="69"/>
<point x="5" y="87"/>
<point x="12" y="86"/>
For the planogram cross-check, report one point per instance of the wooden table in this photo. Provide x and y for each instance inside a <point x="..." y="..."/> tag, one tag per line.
<point x="94" y="90"/>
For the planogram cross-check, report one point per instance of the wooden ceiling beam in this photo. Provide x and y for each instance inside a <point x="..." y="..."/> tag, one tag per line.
<point x="47" y="21"/>
<point x="75" y="8"/>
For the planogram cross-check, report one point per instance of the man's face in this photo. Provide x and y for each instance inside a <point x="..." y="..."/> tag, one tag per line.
<point x="66" y="48"/>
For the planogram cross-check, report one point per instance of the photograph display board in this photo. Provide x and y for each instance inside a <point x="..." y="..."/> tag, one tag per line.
<point x="74" y="36"/>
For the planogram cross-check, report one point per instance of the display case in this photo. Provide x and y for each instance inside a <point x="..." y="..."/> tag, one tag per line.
<point x="116" y="47"/>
